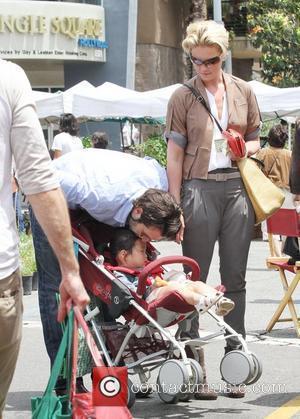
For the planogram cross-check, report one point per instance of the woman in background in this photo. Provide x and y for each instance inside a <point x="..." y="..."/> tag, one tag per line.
<point x="67" y="140"/>
<point x="277" y="163"/>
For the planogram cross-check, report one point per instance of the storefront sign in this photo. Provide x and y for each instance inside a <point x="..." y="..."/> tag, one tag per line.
<point x="52" y="30"/>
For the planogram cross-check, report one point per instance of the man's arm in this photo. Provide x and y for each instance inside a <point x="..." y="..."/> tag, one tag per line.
<point x="56" y="225"/>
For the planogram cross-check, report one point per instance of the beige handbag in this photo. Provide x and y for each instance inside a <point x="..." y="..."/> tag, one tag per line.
<point x="266" y="197"/>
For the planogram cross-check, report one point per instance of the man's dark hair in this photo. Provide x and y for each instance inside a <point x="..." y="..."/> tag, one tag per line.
<point x="68" y="123"/>
<point x="100" y="140"/>
<point x="123" y="239"/>
<point x="277" y="136"/>
<point x="160" y="210"/>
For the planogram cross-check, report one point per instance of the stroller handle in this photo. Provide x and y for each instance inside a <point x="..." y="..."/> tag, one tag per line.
<point x="166" y="260"/>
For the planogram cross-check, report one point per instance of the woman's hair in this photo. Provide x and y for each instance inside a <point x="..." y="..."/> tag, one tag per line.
<point x="206" y="33"/>
<point x="123" y="239"/>
<point x="160" y="210"/>
<point x="100" y="140"/>
<point x="277" y="136"/>
<point x="68" y="123"/>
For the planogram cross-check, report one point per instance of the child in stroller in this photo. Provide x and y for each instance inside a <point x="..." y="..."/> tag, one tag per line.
<point x="144" y="341"/>
<point x="129" y="251"/>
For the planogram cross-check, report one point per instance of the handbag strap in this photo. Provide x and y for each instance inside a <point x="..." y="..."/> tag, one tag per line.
<point x="201" y="100"/>
<point x="269" y="171"/>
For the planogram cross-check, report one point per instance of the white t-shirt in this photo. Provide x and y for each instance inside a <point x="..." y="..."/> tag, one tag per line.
<point x="106" y="182"/>
<point x="21" y="136"/>
<point x="66" y="142"/>
<point x="219" y="159"/>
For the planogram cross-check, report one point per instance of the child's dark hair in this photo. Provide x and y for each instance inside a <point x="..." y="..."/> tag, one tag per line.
<point x="123" y="239"/>
<point x="100" y="140"/>
<point x="68" y="123"/>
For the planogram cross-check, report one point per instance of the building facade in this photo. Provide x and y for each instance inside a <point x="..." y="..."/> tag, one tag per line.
<point x="60" y="43"/>
<point x="133" y="43"/>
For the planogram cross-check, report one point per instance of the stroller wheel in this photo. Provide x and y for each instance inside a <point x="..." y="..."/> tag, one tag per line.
<point x="172" y="378"/>
<point x="237" y="367"/>
<point x="196" y="379"/>
<point x="258" y="369"/>
<point x="130" y="394"/>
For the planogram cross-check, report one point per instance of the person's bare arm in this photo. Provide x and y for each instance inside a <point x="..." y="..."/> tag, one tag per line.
<point x="251" y="148"/>
<point x="175" y="157"/>
<point x="57" y="154"/>
<point x="51" y="212"/>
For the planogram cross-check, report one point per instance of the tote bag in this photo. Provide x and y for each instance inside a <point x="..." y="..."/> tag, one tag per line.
<point x="266" y="198"/>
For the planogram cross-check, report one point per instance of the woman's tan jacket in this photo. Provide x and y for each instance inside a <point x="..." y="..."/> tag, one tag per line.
<point x="190" y="126"/>
<point x="277" y="164"/>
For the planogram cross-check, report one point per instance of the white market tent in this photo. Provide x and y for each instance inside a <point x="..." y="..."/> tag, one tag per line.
<point x="112" y="101"/>
<point x="51" y="105"/>
<point x="277" y="102"/>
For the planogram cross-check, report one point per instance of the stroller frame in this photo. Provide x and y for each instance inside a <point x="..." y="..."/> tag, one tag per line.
<point x="146" y="364"/>
<point x="173" y="353"/>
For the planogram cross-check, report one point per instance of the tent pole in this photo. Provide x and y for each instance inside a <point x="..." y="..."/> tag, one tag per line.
<point x="140" y="134"/>
<point x="122" y="136"/>
<point x="290" y="135"/>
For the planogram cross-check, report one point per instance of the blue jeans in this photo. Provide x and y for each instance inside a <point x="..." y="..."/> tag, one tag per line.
<point x="49" y="281"/>
<point x="18" y="209"/>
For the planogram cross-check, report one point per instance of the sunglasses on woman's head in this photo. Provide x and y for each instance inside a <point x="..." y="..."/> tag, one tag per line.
<point x="207" y="63"/>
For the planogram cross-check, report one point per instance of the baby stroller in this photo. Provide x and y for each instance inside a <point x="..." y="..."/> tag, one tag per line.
<point x="144" y="342"/>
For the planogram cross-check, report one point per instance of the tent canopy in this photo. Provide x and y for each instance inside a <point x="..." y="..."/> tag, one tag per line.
<point x="112" y="102"/>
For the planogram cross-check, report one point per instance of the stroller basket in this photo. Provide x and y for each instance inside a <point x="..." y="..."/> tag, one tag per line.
<point x="137" y="347"/>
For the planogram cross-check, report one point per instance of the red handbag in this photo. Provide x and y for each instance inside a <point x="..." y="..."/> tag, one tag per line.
<point x="235" y="142"/>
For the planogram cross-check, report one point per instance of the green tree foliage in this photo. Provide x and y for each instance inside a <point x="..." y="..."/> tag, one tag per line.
<point x="28" y="265"/>
<point x="275" y="28"/>
<point x="155" y="147"/>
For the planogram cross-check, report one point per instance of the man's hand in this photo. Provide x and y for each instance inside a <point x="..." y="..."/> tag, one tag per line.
<point x="71" y="287"/>
<point x="179" y="235"/>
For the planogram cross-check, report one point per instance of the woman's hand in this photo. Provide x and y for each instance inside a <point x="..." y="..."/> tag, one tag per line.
<point x="179" y="235"/>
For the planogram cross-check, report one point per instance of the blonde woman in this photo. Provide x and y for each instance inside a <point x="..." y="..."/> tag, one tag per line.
<point x="202" y="172"/>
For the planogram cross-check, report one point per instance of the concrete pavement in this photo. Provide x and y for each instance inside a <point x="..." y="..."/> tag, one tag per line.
<point x="279" y="352"/>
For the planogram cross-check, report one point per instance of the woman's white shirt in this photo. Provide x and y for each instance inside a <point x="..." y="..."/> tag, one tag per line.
<point x="219" y="159"/>
<point x="65" y="143"/>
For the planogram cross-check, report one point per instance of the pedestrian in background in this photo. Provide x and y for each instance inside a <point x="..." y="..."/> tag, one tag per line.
<point x="203" y="174"/>
<point x="22" y="139"/>
<point x="277" y="164"/>
<point x="295" y="165"/>
<point x="100" y="140"/>
<point x="67" y="140"/>
<point x="291" y="247"/>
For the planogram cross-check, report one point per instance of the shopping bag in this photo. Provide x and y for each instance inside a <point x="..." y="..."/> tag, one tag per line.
<point x="50" y="406"/>
<point x="266" y="198"/>
<point x="84" y="405"/>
